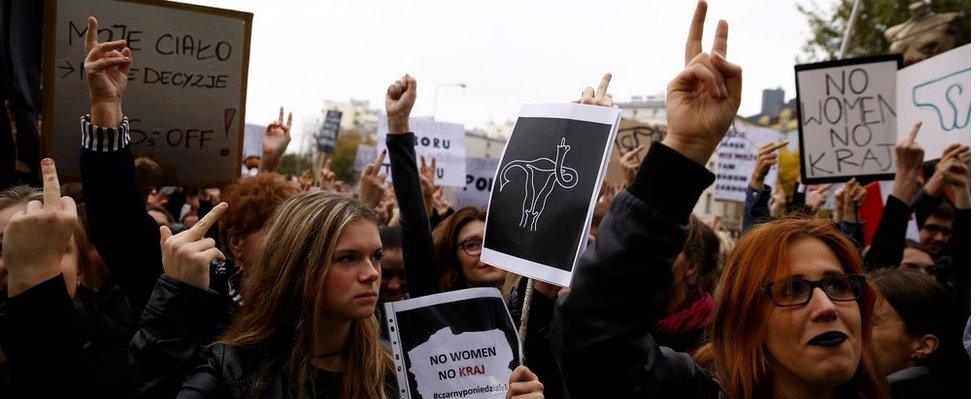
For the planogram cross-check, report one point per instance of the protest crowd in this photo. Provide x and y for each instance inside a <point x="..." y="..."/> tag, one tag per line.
<point x="274" y="286"/>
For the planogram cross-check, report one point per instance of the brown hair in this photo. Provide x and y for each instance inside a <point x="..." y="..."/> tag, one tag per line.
<point x="760" y="257"/>
<point x="702" y="249"/>
<point x="446" y="243"/>
<point x="251" y="202"/>
<point x="284" y="295"/>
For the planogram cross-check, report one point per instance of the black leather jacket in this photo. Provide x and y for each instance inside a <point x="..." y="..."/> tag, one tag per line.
<point x="601" y="330"/>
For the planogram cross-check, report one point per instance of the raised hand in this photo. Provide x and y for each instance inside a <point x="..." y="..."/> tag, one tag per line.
<point x="765" y="160"/>
<point x="630" y="162"/>
<point x="427" y="181"/>
<point x="908" y="166"/>
<point x="400" y="97"/>
<point x="599" y="96"/>
<point x="523" y="384"/>
<point x="817" y="197"/>
<point x="276" y="139"/>
<point x="187" y="255"/>
<point x="957" y="180"/>
<point x="704" y="98"/>
<point x="305" y="181"/>
<point x="327" y="176"/>
<point x="107" y="71"/>
<point x="848" y="200"/>
<point x="372" y="183"/>
<point x="36" y="239"/>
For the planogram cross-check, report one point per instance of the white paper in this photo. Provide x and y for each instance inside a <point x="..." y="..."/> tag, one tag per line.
<point x="735" y="160"/>
<point x="938" y="93"/>
<point x="441" y="140"/>
<point x="479" y="178"/>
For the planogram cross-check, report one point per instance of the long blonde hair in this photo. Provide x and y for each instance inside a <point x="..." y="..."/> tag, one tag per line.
<point x="282" y="292"/>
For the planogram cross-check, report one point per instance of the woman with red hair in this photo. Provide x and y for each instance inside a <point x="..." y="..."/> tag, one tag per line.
<point x="793" y="313"/>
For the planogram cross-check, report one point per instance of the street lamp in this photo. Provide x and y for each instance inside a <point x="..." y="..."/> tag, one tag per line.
<point x="437" y="91"/>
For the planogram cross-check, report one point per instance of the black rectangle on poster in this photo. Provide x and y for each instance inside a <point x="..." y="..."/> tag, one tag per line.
<point x="544" y="189"/>
<point x="461" y="341"/>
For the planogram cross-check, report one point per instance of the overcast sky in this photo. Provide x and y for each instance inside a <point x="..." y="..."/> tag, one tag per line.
<point x="508" y="53"/>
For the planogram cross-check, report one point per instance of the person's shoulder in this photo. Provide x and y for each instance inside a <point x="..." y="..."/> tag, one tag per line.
<point x="684" y="375"/>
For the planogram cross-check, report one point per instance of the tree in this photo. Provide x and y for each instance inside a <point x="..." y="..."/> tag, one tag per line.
<point x="293" y="165"/>
<point x="827" y="26"/>
<point x="345" y="155"/>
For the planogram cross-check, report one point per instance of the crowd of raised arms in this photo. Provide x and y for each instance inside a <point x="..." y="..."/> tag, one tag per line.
<point x="256" y="289"/>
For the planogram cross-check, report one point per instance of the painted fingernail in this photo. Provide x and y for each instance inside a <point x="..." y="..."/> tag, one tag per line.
<point x="47" y="162"/>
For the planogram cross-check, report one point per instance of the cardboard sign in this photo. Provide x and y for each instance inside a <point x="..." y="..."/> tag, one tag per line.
<point x="848" y="119"/>
<point x="546" y="187"/>
<point x="458" y="344"/>
<point x="938" y="93"/>
<point x="185" y="94"/>
<point x="444" y="141"/>
<point x="480" y="176"/>
<point x="735" y="160"/>
<point x="630" y="135"/>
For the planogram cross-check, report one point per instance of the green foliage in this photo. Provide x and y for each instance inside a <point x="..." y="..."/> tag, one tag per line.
<point x="827" y="26"/>
<point x="345" y="155"/>
<point x="293" y="165"/>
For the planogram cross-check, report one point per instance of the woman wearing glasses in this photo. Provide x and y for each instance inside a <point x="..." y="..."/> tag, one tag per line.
<point x="792" y="315"/>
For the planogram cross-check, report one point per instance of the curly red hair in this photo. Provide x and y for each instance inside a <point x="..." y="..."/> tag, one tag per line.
<point x="251" y="202"/>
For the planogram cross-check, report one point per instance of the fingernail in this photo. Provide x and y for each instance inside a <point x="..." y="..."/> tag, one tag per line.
<point x="47" y="162"/>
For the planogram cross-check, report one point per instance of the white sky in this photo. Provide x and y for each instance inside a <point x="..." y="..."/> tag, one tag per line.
<point x="508" y="52"/>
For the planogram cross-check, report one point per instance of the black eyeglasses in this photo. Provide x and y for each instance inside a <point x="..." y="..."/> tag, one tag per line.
<point x="934" y="228"/>
<point x="471" y="247"/>
<point x="796" y="291"/>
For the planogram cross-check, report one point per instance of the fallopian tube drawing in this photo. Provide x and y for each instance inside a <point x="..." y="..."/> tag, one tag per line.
<point x="546" y="171"/>
<point x="948" y="97"/>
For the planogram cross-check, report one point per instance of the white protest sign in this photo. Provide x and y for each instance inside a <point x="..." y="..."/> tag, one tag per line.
<point x="441" y="140"/>
<point x="481" y="174"/>
<point x="253" y="140"/>
<point x="735" y="160"/>
<point x="937" y="92"/>
<point x="365" y="154"/>
<point x="547" y="184"/>
<point x="186" y="88"/>
<point x="848" y="119"/>
<point x="456" y="344"/>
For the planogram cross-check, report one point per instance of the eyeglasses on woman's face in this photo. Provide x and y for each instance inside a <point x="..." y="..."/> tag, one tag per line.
<point x="795" y="291"/>
<point x="471" y="246"/>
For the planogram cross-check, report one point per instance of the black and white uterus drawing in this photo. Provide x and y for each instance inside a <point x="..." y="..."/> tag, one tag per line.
<point x="542" y="175"/>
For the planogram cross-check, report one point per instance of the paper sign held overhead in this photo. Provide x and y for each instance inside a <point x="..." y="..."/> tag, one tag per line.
<point x="441" y="140"/>
<point x="185" y="93"/>
<point x="545" y="189"/>
<point x="938" y="93"/>
<point x="848" y="119"/>
<point x="735" y="160"/>
<point x="480" y="176"/>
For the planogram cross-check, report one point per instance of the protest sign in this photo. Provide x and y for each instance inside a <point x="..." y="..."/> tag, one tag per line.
<point x="937" y="93"/>
<point x="326" y="140"/>
<point x="253" y="140"/>
<point x="480" y="175"/>
<point x="735" y="160"/>
<point x="630" y="135"/>
<point x="186" y="89"/>
<point x="456" y="344"/>
<point x="848" y="120"/>
<point x="545" y="189"/>
<point x="365" y="155"/>
<point x="444" y="141"/>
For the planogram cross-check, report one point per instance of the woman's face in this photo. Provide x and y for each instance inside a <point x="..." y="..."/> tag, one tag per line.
<point x="818" y="344"/>
<point x="893" y="345"/>
<point x="352" y="284"/>
<point x="475" y="272"/>
<point x="69" y="260"/>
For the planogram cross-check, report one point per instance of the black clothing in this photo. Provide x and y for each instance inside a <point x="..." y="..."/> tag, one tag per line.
<point x="230" y="372"/>
<point x="601" y="329"/>
<point x="47" y="333"/>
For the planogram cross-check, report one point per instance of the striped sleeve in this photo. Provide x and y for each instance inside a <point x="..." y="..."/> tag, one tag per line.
<point x="104" y="139"/>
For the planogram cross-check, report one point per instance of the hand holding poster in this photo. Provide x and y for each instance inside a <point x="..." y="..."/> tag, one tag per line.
<point x="848" y="120"/>
<point x="440" y="140"/>
<point x="457" y="344"/>
<point x="185" y="91"/>
<point x="481" y="174"/>
<point x="937" y="92"/>
<point x="546" y="187"/>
